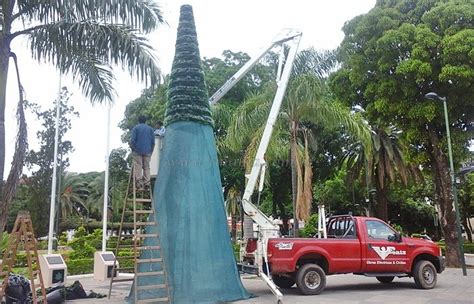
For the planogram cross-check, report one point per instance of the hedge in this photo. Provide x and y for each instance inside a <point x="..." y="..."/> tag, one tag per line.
<point x="468" y="247"/>
<point x="80" y="266"/>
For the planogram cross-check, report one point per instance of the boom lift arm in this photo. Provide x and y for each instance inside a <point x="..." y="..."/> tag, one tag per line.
<point x="291" y="38"/>
<point x="267" y="228"/>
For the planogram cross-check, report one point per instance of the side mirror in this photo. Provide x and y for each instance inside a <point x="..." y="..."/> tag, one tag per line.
<point x="397" y="237"/>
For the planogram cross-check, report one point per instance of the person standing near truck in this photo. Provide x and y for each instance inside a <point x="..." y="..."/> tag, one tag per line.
<point x="142" y="144"/>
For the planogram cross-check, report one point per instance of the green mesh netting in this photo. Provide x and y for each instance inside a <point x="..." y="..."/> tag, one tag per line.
<point x="192" y="223"/>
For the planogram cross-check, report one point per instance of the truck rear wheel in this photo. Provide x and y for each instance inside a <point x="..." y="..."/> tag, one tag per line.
<point x="385" y="280"/>
<point x="424" y="274"/>
<point x="310" y="279"/>
<point x="282" y="281"/>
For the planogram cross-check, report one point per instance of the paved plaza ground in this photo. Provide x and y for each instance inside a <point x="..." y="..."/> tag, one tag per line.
<point x="452" y="287"/>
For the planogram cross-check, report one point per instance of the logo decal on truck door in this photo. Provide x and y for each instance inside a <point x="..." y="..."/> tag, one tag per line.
<point x="284" y="245"/>
<point x="384" y="252"/>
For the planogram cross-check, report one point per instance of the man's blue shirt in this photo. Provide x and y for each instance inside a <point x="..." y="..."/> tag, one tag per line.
<point x="143" y="139"/>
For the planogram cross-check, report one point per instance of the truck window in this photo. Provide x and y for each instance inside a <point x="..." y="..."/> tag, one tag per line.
<point x="341" y="227"/>
<point x="379" y="230"/>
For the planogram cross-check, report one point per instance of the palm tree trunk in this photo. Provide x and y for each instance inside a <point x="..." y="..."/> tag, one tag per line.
<point x="294" y="182"/>
<point x="381" y="207"/>
<point x="4" y="61"/>
<point x="233" y="228"/>
<point x="443" y="196"/>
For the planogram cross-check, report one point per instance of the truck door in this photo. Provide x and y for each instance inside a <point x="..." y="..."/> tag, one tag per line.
<point x="384" y="251"/>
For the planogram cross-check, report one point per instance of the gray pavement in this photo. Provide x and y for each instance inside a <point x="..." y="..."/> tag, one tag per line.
<point x="452" y="287"/>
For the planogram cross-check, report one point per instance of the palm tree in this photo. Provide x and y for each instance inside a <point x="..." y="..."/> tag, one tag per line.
<point x="385" y="165"/>
<point x="233" y="203"/>
<point x="72" y="195"/>
<point x="95" y="199"/>
<point x="307" y="103"/>
<point x="81" y="38"/>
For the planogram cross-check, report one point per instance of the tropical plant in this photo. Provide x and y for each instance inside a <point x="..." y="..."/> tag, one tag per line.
<point x="394" y="55"/>
<point x="95" y="199"/>
<point x="81" y="38"/>
<point x="386" y="165"/>
<point x="233" y="207"/>
<point x="306" y="105"/>
<point x="72" y="195"/>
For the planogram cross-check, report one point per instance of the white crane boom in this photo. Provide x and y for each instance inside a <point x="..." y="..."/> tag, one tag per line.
<point x="292" y="39"/>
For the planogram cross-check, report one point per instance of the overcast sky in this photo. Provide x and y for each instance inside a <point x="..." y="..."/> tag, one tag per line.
<point x="242" y="25"/>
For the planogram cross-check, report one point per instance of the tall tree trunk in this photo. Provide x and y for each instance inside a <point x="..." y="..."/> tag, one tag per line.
<point x="444" y="199"/>
<point x="294" y="182"/>
<point x="233" y="228"/>
<point x="4" y="61"/>
<point x="381" y="205"/>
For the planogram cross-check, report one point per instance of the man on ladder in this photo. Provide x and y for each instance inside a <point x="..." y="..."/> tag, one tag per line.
<point x="142" y="144"/>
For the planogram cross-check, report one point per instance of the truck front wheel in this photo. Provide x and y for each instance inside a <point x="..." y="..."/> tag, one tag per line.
<point x="425" y="274"/>
<point x="310" y="279"/>
<point x="282" y="281"/>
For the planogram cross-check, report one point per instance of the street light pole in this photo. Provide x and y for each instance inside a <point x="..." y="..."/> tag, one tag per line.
<point x="434" y="96"/>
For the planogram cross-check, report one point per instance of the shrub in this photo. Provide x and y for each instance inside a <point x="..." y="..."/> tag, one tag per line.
<point x="80" y="266"/>
<point x="126" y="263"/>
<point x="311" y="227"/>
<point x="468" y="247"/>
<point x="84" y="245"/>
<point x="236" y="247"/>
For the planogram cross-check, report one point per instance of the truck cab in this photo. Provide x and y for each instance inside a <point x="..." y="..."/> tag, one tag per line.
<point x="359" y="245"/>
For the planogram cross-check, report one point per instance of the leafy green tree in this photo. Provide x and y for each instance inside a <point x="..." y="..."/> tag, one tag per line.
<point x="395" y="54"/>
<point x="340" y="197"/>
<point x="82" y="38"/>
<point x="119" y="176"/>
<point x="218" y="70"/>
<point x="466" y="200"/>
<point x="41" y="162"/>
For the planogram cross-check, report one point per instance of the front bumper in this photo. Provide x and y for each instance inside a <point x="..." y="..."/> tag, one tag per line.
<point x="442" y="264"/>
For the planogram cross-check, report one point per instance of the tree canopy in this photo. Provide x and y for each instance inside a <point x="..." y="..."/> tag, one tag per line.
<point x="394" y="55"/>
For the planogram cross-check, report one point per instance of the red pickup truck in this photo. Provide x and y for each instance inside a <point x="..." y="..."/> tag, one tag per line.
<point x="359" y="245"/>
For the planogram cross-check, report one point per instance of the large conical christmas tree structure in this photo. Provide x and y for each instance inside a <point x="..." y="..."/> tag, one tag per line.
<point x="188" y="193"/>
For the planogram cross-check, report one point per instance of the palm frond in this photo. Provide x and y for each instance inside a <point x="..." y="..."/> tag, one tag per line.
<point x="85" y="50"/>
<point x="144" y="15"/>
<point x="313" y="62"/>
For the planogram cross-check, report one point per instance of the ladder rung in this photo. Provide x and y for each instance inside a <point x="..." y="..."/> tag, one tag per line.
<point x="149" y="260"/>
<point x="143" y="211"/>
<point x="122" y="280"/>
<point x="150" y="273"/>
<point x="145" y="223"/>
<point x="145" y="235"/>
<point x="148" y="247"/>
<point x="145" y="287"/>
<point x="125" y="268"/>
<point x="128" y="257"/>
<point x="140" y="200"/>
<point x="124" y="246"/>
<point x="152" y="300"/>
